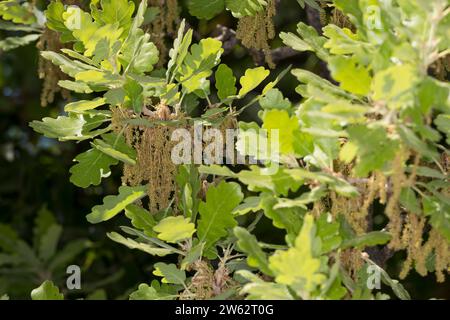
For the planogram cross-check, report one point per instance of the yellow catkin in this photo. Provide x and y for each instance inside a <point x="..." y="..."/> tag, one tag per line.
<point x="171" y="16"/>
<point x="371" y="190"/>
<point x="439" y="245"/>
<point x="165" y="24"/>
<point x="154" y="164"/>
<point x="207" y="282"/>
<point x="256" y="31"/>
<point x="47" y="71"/>
<point x="319" y="208"/>
<point x="381" y="185"/>
<point x="392" y="208"/>
<point x="352" y="261"/>
<point x="201" y="284"/>
<point x="412" y="238"/>
<point x="154" y="146"/>
<point x="445" y="162"/>
<point x="354" y="209"/>
<point x="341" y="20"/>
<point x="329" y="14"/>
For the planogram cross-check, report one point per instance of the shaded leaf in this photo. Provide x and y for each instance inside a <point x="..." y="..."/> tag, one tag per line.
<point x="113" y="205"/>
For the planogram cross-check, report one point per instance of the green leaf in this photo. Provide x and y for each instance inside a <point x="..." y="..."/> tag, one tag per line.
<point x="139" y="55"/>
<point x="43" y="221"/>
<point x="442" y="121"/>
<point x="248" y="244"/>
<point x="414" y="142"/>
<point x="141" y="16"/>
<point x="257" y="179"/>
<point x="16" y="12"/>
<point x="189" y="184"/>
<point x="49" y="242"/>
<point x="78" y="87"/>
<point x="225" y="82"/>
<point x="274" y="99"/>
<point x="146" y="292"/>
<point x="145" y="247"/>
<point x="251" y="79"/>
<point x="114" y="11"/>
<point x="205" y="9"/>
<point x="174" y="229"/>
<point x="369" y="239"/>
<point x="392" y="83"/>
<point x="258" y="289"/>
<point x="289" y="219"/>
<point x="8" y="238"/>
<point x="170" y="273"/>
<point x="311" y="3"/>
<point x="216" y="170"/>
<point x="134" y="91"/>
<point x="9" y="26"/>
<point x="83" y="105"/>
<point x="409" y="200"/>
<point x="374" y="147"/>
<point x="89" y="32"/>
<point x="319" y="84"/>
<point x="314" y="195"/>
<point x="67" y="254"/>
<point x="439" y="215"/>
<point x="113" y="205"/>
<point x="242" y="8"/>
<point x="63" y="128"/>
<point x="179" y="51"/>
<point x="216" y="213"/>
<point x="99" y="294"/>
<point x="342" y="41"/>
<point x="100" y="79"/>
<point x="250" y="204"/>
<point x="116" y="147"/>
<point x="141" y="219"/>
<point x="55" y="20"/>
<point x="197" y="65"/>
<point x="194" y="254"/>
<point x="15" y="42"/>
<point x="47" y="291"/>
<point x="351" y="76"/>
<point x="299" y="266"/>
<point x="70" y="67"/>
<point x="328" y="232"/>
<point x="396" y="286"/>
<point x="285" y="126"/>
<point x="92" y="166"/>
<point x="309" y="40"/>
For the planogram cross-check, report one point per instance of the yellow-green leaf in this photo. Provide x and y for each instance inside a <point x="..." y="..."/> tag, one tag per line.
<point x="251" y="79"/>
<point x="175" y="229"/>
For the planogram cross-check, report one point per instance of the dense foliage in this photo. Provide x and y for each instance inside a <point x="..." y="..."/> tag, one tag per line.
<point x="361" y="170"/>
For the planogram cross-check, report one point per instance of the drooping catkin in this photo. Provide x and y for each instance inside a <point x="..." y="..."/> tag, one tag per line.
<point x="165" y="24"/>
<point x="256" y="31"/>
<point x="352" y="261"/>
<point x="47" y="71"/>
<point x="208" y="282"/>
<point x="200" y="287"/>
<point x="354" y="209"/>
<point x="330" y="14"/>
<point x="392" y="210"/>
<point x="411" y="240"/>
<point x="154" y="165"/>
